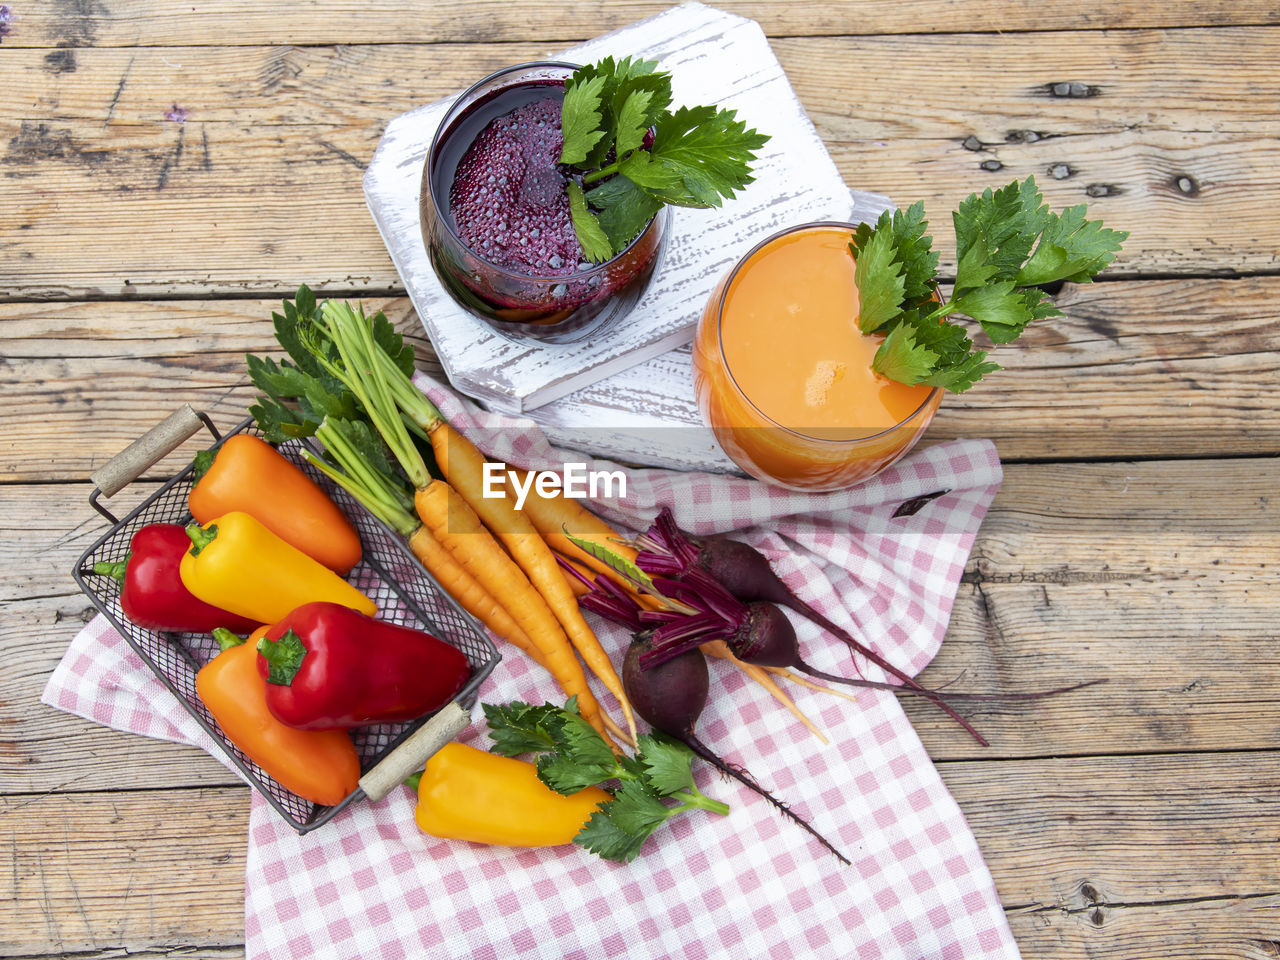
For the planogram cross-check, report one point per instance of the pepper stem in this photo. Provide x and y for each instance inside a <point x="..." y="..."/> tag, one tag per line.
<point x="115" y="571"/>
<point x="201" y="537"/>
<point x="201" y="463"/>
<point x="284" y="657"/>
<point x="227" y="638"/>
<point x="412" y="781"/>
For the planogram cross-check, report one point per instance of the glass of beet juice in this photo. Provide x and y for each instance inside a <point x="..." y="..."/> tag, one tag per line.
<point x="495" y="215"/>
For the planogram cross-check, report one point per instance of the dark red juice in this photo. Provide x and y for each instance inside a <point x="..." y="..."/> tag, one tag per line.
<point x="500" y="235"/>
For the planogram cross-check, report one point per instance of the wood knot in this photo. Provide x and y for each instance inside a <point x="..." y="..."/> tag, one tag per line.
<point x="1186" y="185"/>
<point x="991" y="165"/>
<point x="972" y="143"/>
<point x="1074" y="90"/>
<point x="1060" y="171"/>
<point x="1097" y="917"/>
<point x="1101" y="190"/>
<point x="1024" y="136"/>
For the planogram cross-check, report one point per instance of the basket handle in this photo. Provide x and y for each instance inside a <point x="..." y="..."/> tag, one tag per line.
<point x="157" y="443"/>
<point x="410" y="756"/>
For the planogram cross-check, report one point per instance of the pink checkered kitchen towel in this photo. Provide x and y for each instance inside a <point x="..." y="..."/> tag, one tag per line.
<point x="750" y="885"/>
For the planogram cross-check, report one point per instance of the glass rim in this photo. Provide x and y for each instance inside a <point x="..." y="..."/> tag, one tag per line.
<point x="443" y="217"/>
<point x="724" y="360"/>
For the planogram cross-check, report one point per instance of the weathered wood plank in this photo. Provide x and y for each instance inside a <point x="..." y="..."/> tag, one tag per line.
<point x="1133" y="369"/>
<point x="120" y="868"/>
<point x="1230" y="928"/>
<point x="268" y="160"/>
<point x="1126" y="857"/>
<point x="1088" y="860"/>
<point x="1108" y="575"/>
<point x="226" y="22"/>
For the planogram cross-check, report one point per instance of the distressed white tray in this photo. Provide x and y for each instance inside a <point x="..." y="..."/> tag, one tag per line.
<point x="647" y="414"/>
<point x="714" y="57"/>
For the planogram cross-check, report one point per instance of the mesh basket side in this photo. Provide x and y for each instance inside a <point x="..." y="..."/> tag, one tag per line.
<point x="388" y="573"/>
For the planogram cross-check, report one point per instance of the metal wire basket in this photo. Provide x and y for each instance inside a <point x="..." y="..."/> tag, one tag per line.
<point x="389" y="574"/>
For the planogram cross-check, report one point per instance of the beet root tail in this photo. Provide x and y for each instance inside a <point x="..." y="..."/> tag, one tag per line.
<point x="741" y="775"/>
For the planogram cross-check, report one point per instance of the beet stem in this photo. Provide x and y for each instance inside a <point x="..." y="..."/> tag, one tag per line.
<point x="895" y="688"/>
<point x="697" y="746"/>
<point x="799" y="606"/>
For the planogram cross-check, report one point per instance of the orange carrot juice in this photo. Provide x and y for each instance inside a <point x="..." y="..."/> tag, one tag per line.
<point x="783" y="374"/>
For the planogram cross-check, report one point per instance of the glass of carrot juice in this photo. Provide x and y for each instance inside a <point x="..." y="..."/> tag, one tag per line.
<point x="783" y="374"/>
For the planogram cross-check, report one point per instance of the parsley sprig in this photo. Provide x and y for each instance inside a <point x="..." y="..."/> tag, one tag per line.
<point x="697" y="157"/>
<point x="572" y="756"/>
<point x="1008" y="245"/>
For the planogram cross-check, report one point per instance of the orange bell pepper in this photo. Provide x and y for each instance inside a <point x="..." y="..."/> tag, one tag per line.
<point x="468" y="794"/>
<point x="239" y="565"/>
<point x="318" y="765"/>
<point x="248" y="474"/>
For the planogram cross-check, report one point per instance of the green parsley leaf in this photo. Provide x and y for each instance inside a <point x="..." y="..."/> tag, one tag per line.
<point x="582" y="758"/>
<point x="697" y="157"/>
<point x="605" y="838"/>
<point x="518" y="728"/>
<point x="633" y="121"/>
<point x="668" y="764"/>
<point x="900" y="358"/>
<point x="1071" y="248"/>
<point x="881" y="285"/>
<point x="580" y="118"/>
<point x="997" y="278"/>
<point x="572" y="755"/>
<point x="591" y="236"/>
<point x="625" y="209"/>
<point x="963" y="374"/>
<point x="710" y="149"/>
<point x="637" y="809"/>
<point x="650" y="174"/>
<point x="995" y="232"/>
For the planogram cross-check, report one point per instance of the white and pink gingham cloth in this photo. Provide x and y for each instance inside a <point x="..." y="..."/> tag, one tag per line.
<point x="751" y="885"/>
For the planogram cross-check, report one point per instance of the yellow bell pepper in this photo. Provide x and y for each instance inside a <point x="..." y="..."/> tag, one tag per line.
<point x="237" y="564"/>
<point x="468" y="794"/>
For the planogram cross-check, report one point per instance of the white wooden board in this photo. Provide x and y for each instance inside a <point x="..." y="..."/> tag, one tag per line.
<point x="647" y="414"/>
<point x="714" y="57"/>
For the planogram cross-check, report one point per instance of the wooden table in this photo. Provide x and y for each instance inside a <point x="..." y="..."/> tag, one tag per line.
<point x="169" y="171"/>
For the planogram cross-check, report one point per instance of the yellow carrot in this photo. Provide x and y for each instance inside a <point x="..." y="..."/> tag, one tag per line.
<point x="452" y="521"/>
<point x="555" y="517"/>
<point x="462" y="464"/>
<point x="471" y="596"/>
<point x="384" y="390"/>
<point x="719" y="649"/>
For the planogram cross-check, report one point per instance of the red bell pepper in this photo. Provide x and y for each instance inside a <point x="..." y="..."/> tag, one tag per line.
<point x="151" y="592"/>
<point x="330" y="667"/>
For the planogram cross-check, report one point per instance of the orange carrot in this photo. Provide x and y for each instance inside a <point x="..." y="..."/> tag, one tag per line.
<point x="471" y="596"/>
<point x="556" y="517"/>
<point x="452" y="521"/>
<point x="462" y="463"/>
<point x="384" y="390"/>
<point x="796" y="678"/>
<point x="384" y="499"/>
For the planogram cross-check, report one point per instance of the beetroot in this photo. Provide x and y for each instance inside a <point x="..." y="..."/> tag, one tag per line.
<point x="670" y="697"/>
<point x="746" y="574"/>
